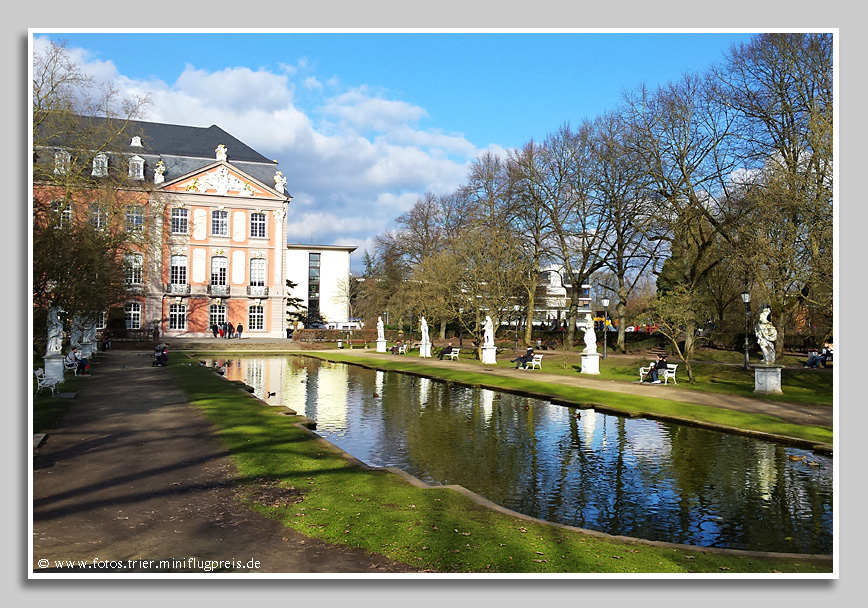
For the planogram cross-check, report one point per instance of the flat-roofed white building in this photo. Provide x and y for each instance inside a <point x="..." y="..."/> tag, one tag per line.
<point x="321" y="274"/>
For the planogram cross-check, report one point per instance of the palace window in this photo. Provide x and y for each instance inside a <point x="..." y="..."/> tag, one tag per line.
<point x="216" y="315"/>
<point x="219" y="223"/>
<point x="313" y="285"/>
<point x="178" y="270"/>
<point x="257" y="272"/>
<point x="135" y="218"/>
<point x="256" y="317"/>
<point x="99" y="216"/>
<point x="133" y="268"/>
<point x="62" y="159"/>
<point x="61" y="211"/>
<point x="133" y="315"/>
<point x="100" y="165"/>
<point x="257" y="225"/>
<point x="178" y="221"/>
<point x="137" y="168"/>
<point x="218" y="270"/>
<point x="177" y="316"/>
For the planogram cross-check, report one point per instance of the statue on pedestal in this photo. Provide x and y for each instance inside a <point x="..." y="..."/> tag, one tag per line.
<point x="380" y="334"/>
<point x="590" y="335"/>
<point x="488" y="332"/>
<point x="424" y="326"/>
<point x="55" y="331"/>
<point x="766" y="334"/>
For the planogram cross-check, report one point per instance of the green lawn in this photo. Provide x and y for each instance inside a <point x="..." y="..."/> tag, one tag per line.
<point x="307" y="484"/>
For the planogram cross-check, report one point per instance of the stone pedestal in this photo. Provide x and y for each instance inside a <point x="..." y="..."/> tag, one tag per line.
<point x="425" y="349"/>
<point x="767" y="378"/>
<point x="381" y="346"/>
<point x="54" y="366"/>
<point x="489" y="355"/>
<point x="86" y="349"/>
<point x="591" y="363"/>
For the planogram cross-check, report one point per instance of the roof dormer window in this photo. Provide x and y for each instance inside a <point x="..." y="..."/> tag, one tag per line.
<point x="136" y="142"/>
<point x="137" y="167"/>
<point x="100" y="165"/>
<point x="61" y="162"/>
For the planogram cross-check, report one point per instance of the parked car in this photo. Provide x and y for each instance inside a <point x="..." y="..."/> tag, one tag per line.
<point x="630" y="328"/>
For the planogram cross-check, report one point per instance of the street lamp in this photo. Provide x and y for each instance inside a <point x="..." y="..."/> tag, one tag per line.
<point x="517" y="319"/>
<point x="745" y="297"/>
<point x="605" y="302"/>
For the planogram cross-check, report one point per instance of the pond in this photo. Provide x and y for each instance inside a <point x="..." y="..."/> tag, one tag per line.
<point x="633" y="477"/>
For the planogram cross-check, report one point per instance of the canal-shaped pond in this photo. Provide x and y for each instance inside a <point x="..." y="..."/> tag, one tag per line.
<point x="634" y="477"/>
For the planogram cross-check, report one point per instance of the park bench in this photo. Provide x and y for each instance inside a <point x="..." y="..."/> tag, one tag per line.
<point x="402" y="350"/>
<point x="668" y="373"/>
<point x="43" y="381"/>
<point x="454" y="354"/>
<point x="70" y="365"/>
<point x="536" y="362"/>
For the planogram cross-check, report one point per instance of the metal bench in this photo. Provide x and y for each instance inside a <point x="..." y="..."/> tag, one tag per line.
<point x="70" y="365"/>
<point x="668" y="373"/>
<point x="454" y="354"/>
<point x="536" y="362"/>
<point x="43" y="381"/>
<point x="402" y="350"/>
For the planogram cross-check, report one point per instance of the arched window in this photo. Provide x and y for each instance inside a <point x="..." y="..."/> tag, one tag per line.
<point x="100" y="165"/>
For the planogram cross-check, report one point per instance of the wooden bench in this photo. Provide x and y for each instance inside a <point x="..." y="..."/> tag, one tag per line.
<point x="454" y="354"/>
<point x="536" y="362"/>
<point x="42" y="381"/>
<point x="402" y="350"/>
<point x="668" y="373"/>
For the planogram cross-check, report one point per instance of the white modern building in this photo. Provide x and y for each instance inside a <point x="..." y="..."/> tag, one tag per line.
<point x="322" y="274"/>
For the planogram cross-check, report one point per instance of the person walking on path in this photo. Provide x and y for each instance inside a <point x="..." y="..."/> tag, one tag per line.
<point x="238" y="330"/>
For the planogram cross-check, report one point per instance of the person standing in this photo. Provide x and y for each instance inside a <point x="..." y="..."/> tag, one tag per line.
<point x="238" y="330"/>
<point x="214" y="329"/>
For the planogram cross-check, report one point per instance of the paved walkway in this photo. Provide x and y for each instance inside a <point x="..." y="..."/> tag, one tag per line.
<point x="135" y="473"/>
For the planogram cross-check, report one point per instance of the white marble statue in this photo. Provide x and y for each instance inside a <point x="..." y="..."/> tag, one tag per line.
<point x="279" y="182"/>
<point x="220" y="152"/>
<point x="380" y="334"/>
<point x="766" y="334"/>
<point x="55" y="331"/>
<point x="160" y="172"/>
<point x="488" y="332"/>
<point x="75" y="332"/>
<point x="90" y="331"/>
<point x="590" y="335"/>
<point x="424" y="325"/>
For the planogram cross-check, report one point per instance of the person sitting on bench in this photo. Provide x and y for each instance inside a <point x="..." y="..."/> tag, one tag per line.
<point x="445" y="351"/>
<point x="523" y="360"/>
<point x="658" y="366"/>
<point x="74" y="358"/>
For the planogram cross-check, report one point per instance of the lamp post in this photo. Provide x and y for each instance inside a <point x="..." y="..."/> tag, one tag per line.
<point x="605" y="302"/>
<point x="517" y="319"/>
<point x="745" y="297"/>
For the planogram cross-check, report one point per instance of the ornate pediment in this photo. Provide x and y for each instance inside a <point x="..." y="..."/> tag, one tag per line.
<point x="220" y="179"/>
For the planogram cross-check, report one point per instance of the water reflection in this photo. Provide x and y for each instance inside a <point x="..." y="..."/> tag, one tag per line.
<point x="634" y="477"/>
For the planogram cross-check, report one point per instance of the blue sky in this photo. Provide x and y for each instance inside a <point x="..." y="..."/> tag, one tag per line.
<point x="364" y="123"/>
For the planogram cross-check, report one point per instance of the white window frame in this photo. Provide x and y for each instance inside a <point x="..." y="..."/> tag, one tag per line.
<point x="220" y="220"/>
<point x="134" y="269"/>
<point x="62" y="213"/>
<point x="258" y="272"/>
<point x="134" y="217"/>
<point x="255" y="317"/>
<point x="137" y="168"/>
<point x="216" y="315"/>
<point x="133" y="315"/>
<point x="179" y="220"/>
<point x="99" y="217"/>
<point x="219" y="270"/>
<point x="177" y="316"/>
<point x="178" y="270"/>
<point x="258" y="223"/>
<point x="62" y="160"/>
<point x="100" y="165"/>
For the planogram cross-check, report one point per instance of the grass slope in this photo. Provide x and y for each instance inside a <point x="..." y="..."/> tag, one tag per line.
<point x="294" y="476"/>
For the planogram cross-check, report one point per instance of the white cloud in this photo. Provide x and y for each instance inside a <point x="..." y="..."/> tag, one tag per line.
<point x="354" y="161"/>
